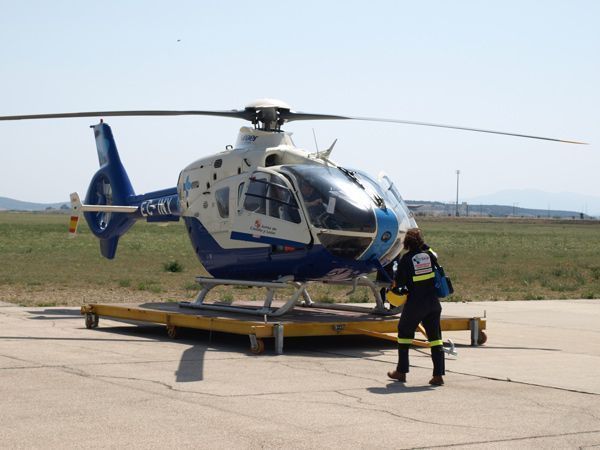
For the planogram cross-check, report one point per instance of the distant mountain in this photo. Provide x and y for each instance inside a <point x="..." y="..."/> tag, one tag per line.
<point x="534" y="199"/>
<point x="18" y="205"/>
<point x="428" y="208"/>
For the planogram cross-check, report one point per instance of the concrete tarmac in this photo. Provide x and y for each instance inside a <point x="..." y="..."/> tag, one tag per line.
<point x="535" y="384"/>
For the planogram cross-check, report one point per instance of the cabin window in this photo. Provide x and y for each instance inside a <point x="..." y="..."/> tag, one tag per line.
<point x="270" y="196"/>
<point x="222" y="198"/>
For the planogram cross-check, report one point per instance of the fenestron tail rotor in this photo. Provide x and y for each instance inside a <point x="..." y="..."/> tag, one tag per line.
<point x="270" y="115"/>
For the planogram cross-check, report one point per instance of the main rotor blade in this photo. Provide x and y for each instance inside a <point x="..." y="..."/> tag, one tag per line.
<point x="236" y="114"/>
<point x="250" y="114"/>
<point x="291" y="116"/>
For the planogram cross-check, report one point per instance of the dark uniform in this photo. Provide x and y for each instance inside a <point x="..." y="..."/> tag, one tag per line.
<point x="415" y="272"/>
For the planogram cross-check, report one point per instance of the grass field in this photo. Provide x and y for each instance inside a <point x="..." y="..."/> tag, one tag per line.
<point x="486" y="259"/>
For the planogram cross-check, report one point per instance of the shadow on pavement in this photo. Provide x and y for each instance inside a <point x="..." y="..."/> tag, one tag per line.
<point x="191" y="365"/>
<point x="399" y="388"/>
<point x="50" y="314"/>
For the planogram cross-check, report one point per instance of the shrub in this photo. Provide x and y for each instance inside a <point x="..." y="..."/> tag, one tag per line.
<point x="173" y="266"/>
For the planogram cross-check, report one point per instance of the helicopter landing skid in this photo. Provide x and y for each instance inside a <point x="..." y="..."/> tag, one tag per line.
<point x="266" y="310"/>
<point x="375" y="287"/>
<point x="299" y="291"/>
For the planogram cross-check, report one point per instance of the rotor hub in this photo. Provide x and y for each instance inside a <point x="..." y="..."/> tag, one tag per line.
<point x="267" y="114"/>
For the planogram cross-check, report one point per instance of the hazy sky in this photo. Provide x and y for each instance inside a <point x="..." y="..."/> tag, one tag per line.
<point x="524" y="66"/>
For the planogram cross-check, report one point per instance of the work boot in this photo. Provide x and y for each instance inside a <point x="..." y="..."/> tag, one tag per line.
<point x="437" y="380"/>
<point x="398" y="376"/>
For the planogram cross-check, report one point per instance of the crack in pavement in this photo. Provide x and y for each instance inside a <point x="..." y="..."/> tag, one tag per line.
<point x="526" y="383"/>
<point x="107" y="379"/>
<point x="493" y="441"/>
<point x="362" y="405"/>
<point x="322" y="368"/>
<point x="14" y="358"/>
<point x="557" y="406"/>
<point x="36" y="365"/>
<point x="372" y="407"/>
<point x="170" y="388"/>
<point x="213" y="395"/>
<point x="506" y="380"/>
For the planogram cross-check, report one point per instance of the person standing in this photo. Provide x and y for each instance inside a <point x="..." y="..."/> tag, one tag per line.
<point x="415" y="272"/>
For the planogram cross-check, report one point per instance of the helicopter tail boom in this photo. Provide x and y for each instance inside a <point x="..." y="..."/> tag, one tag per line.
<point x="77" y="206"/>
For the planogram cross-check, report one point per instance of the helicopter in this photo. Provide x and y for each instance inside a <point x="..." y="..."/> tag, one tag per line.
<point x="262" y="213"/>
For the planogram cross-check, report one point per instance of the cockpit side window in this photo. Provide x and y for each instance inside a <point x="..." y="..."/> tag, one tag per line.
<point x="282" y="203"/>
<point x="397" y="203"/>
<point x="256" y="196"/>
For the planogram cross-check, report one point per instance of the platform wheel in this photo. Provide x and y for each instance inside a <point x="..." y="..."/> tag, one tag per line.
<point x="172" y="331"/>
<point x="259" y="348"/>
<point x="91" y="320"/>
<point x="481" y="337"/>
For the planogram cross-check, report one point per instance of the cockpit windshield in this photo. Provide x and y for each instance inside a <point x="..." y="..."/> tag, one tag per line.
<point x="333" y="200"/>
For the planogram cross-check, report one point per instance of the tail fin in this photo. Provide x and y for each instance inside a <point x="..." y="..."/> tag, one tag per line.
<point x="75" y="214"/>
<point x="110" y="185"/>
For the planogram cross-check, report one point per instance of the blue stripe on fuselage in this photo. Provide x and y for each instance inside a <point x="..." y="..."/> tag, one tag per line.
<point x="265" y="264"/>
<point x="386" y="222"/>
<point x="239" y="236"/>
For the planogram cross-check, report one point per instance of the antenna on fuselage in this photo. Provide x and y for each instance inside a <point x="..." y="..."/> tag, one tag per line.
<point x="327" y="152"/>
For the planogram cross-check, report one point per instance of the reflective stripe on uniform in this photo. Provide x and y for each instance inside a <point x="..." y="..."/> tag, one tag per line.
<point x="404" y="341"/>
<point x="427" y="276"/>
<point x="437" y="343"/>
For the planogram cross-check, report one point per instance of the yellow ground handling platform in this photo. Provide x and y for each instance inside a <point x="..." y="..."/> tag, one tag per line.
<point x="299" y="322"/>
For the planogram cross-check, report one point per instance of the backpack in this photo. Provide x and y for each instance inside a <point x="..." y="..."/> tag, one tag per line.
<point x="443" y="285"/>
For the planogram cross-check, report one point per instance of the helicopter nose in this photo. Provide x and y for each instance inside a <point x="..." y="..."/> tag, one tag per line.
<point x="387" y="230"/>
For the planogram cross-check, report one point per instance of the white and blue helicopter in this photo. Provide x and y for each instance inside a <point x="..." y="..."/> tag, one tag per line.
<point x="262" y="213"/>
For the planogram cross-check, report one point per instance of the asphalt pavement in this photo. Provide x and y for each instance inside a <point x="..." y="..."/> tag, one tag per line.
<point x="534" y="384"/>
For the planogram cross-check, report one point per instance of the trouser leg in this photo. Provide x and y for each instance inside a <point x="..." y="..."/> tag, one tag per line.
<point x="432" y="326"/>
<point x="439" y="361"/>
<point x="403" y="364"/>
<point x="406" y="333"/>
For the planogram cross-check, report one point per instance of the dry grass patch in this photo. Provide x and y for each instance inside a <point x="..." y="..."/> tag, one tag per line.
<point x="487" y="260"/>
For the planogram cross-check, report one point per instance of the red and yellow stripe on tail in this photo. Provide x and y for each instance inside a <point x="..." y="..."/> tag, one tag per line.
<point x="73" y="225"/>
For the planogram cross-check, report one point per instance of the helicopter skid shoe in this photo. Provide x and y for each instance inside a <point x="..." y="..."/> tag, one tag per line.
<point x="266" y="310"/>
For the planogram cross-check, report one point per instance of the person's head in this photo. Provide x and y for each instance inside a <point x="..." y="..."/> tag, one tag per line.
<point x="413" y="240"/>
<point x="306" y="188"/>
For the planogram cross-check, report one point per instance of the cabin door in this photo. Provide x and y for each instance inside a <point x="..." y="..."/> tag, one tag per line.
<point x="268" y="212"/>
